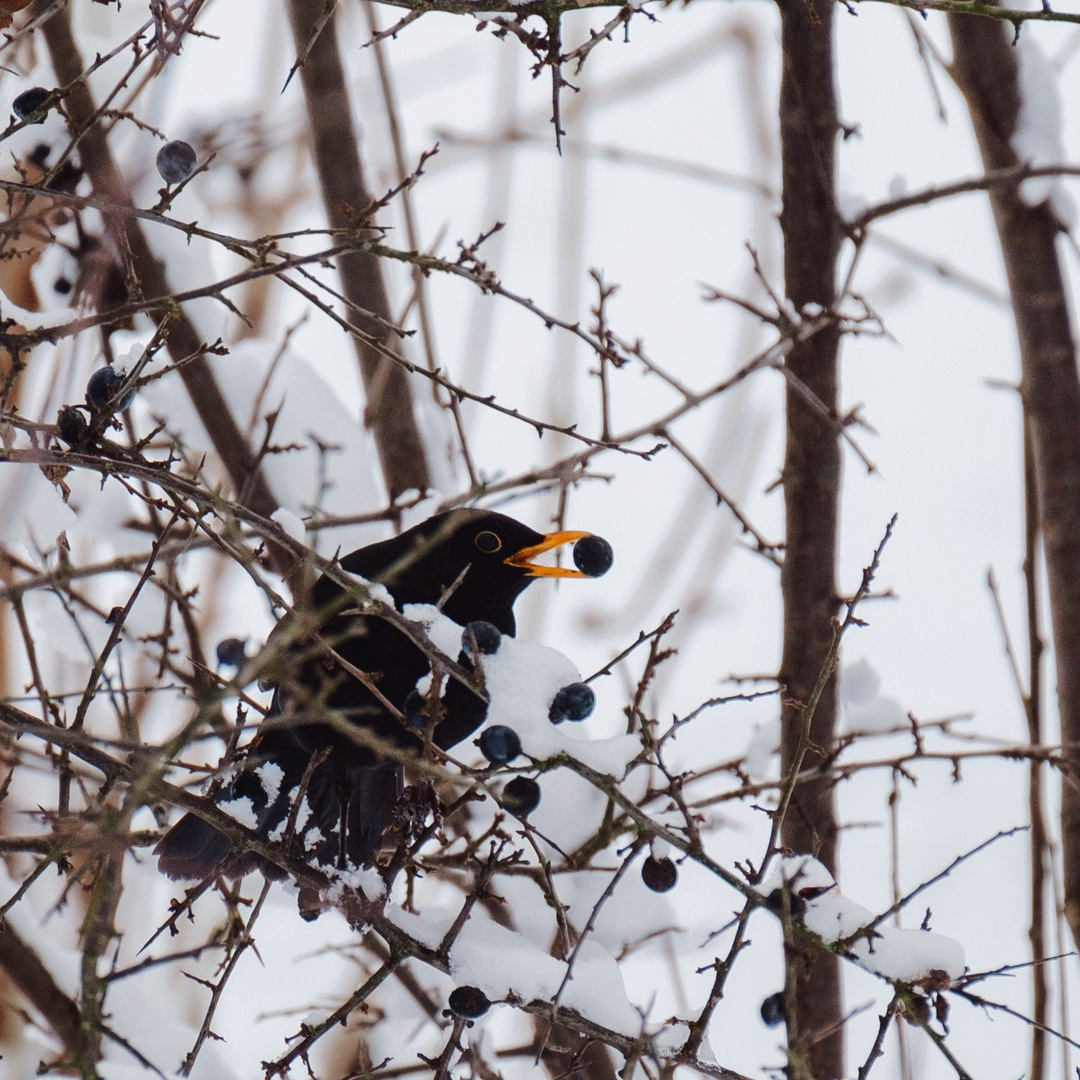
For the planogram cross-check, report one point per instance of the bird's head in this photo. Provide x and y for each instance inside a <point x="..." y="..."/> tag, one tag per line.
<point x="483" y="559"/>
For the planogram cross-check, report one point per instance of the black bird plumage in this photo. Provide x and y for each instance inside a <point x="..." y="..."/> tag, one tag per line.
<point x="475" y="564"/>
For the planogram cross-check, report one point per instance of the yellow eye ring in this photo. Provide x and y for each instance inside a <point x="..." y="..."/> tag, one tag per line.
<point x="488" y="542"/>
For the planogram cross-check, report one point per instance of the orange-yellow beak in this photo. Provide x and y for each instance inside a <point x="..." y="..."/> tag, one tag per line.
<point x="523" y="559"/>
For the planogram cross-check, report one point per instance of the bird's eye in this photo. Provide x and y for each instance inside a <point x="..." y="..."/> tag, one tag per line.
<point x="488" y="542"/>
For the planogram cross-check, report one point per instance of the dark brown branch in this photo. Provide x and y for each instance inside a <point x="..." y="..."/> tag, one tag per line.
<point x="24" y="968"/>
<point x="988" y="12"/>
<point x="1033" y="712"/>
<point x="936" y="192"/>
<point x="152" y="788"/>
<point x="184" y="342"/>
<point x="389" y="411"/>
<point x="876" y="1050"/>
<point x="801" y="753"/>
<point x="97" y="932"/>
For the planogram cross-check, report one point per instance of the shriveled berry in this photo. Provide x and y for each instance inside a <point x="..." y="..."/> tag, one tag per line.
<point x="71" y="425"/>
<point x="176" y="161"/>
<point x="231" y="652"/>
<point x="521" y="796"/>
<point x="659" y="874"/>
<point x="103" y="387"/>
<point x="468" y="1002"/>
<point x="481" y="637"/>
<point x="309" y="904"/>
<point x="772" y="1009"/>
<point x="573" y="702"/>
<point x="593" y="556"/>
<point x="29" y="102"/>
<point x="499" y="744"/>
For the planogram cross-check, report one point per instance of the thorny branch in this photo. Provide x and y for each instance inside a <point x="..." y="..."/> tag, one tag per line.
<point x="105" y="780"/>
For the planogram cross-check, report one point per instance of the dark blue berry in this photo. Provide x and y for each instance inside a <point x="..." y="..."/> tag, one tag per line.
<point x="468" y="1002"/>
<point x="659" y="874"/>
<point x="481" y="637"/>
<point x="414" y="709"/>
<point x="573" y="702"/>
<point x="103" y="387"/>
<point x="231" y="652"/>
<point x="499" y="744"/>
<point x="521" y="796"/>
<point x="29" y="102"/>
<point x="176" y="161"/>
<point x="772" y="1009"/>
<point x="593" y="556"/>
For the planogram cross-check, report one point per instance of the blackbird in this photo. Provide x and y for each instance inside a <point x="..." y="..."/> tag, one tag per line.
<point x="473" y="564"/>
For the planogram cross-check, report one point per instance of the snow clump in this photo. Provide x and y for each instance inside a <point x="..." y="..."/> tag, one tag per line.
<point x="909" y="956"/>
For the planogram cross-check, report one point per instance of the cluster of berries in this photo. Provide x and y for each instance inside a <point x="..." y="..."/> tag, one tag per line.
<point x="501" y="744"/>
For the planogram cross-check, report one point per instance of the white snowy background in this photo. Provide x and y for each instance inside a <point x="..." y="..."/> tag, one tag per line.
<point x="669" y="167"/>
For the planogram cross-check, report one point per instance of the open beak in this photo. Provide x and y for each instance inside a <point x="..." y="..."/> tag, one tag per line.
<point x="523" y="559"/>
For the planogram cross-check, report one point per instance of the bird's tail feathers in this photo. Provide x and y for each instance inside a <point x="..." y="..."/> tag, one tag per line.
<point x="192" y="850"/>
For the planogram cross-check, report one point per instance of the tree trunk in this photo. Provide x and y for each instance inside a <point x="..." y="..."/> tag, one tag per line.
<point x="985" y="69"/>
<point x="808" y="128"/>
